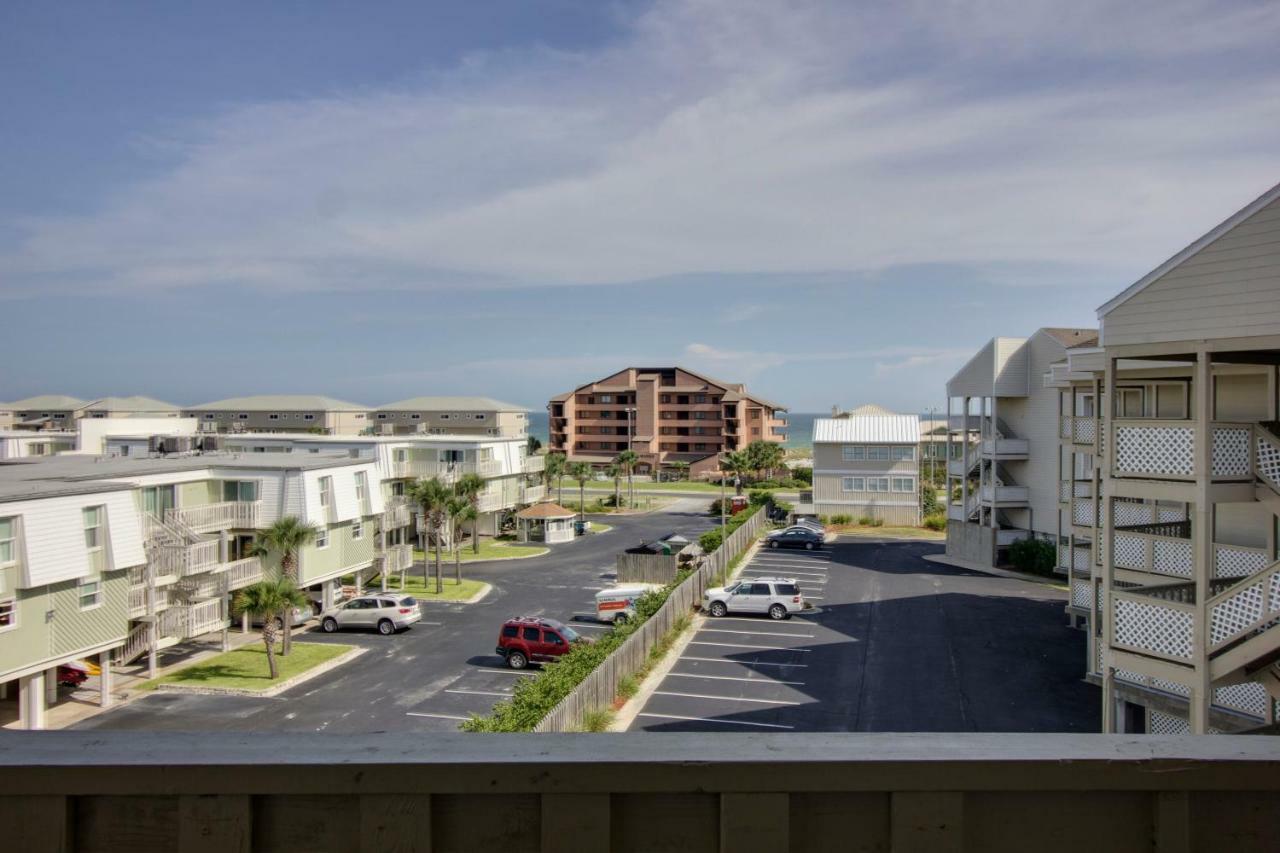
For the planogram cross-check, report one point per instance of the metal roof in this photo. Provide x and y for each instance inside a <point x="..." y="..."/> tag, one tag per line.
<point x="452" y="404"/>
<point x="282" y="402"/>
<point x="867" y="429"/>
<point x="132" y="404"/>
<point x="57" y="402"/>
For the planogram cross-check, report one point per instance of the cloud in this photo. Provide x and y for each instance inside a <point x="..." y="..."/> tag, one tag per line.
<point x="717" y="137"/>
<point x="921" y="360"/>
<point x="742" y="312"/>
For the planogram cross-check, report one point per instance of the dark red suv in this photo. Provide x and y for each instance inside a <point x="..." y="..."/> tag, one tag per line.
<point x="532" y="639"/>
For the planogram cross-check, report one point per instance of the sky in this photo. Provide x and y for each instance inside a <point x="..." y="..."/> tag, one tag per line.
<point x="835" y="203"/>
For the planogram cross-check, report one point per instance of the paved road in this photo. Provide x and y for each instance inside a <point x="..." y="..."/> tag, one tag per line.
<point x="895" y="643"/>
<point x="435" y="674"/>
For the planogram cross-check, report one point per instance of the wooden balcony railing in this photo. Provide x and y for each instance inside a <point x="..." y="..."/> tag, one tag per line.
<point x="217" y="516"/>
<point x="1166" y="449"/>
<point x="764" y="793"/>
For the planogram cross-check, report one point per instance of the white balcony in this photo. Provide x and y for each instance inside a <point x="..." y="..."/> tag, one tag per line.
<point x="394" y="559"/>
<point x="489" y="501"/>
<point x="210" y="518"/>
<point x="191" y="620"/>
<point x="532" y="494"/>
<point x="1006" y="448"/>
<point x="1007" y="536"/>
<point x="1166" y="450"/>
<point x="1006" y="495"/>
<point x="447" y="472"/>
<point x="955" y="512"/>
<point x="185" y="560"/>
<point x="241" y="573"/>
<point x="534" y="464"/>
<point x="398" y="513"/>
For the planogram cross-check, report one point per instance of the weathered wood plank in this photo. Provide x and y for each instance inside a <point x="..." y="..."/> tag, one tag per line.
<point x="39" y="824"/>
<point x="217" y="823"/>
<point x="755" y="823"/>
<point x="927" y="822"/>
<point x="395" y="823"/>
<point x="575" y="823"/>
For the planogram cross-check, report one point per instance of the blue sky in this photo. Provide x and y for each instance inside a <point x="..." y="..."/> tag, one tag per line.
<point x="836" y="203"/>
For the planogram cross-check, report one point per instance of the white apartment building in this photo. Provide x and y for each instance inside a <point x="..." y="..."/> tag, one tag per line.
<point x="1002" y="450"/>
<point x="867" y="466"/>
<point x="291" y="413"/>
<point x="451" y="416"/>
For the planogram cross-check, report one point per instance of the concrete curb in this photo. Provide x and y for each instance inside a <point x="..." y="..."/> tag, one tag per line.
<point x="545" y="552"/>
<point x="287" y="684"/>
<point x="626" y="715"/>
<point x="943" y="559"/>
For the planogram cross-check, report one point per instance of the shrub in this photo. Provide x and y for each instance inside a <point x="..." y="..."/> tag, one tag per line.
<point x="597" y="720"/>
<point x="936" y="522"/>
<point x="877" y="522"/>
<point x="803" y="475"/>
<point x="1034" y="556"/>
<point x="714" y="509"/>
<point x="827" y="519"/>
<point x="756" y="497"/>
<point x="783" y="507"/>
<point x="710" y="540"/>
<point x="628" y="685"/>
<point x="841" y="519"/>
<point x="865" y="521"/>
<point x="928" y="498"/>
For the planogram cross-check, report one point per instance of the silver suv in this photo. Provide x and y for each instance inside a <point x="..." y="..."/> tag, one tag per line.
<point x="385" y="612"/>
<point x="778" y="597"/>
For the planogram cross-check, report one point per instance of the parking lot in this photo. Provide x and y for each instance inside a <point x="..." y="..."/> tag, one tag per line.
<point x="893" y="643"/>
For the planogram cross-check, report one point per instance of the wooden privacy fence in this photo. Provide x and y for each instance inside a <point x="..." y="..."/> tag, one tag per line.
<point x="646" y="568"/>
<point x="598" y="689"/>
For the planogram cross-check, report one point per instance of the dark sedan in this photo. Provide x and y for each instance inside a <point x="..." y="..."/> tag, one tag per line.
<point x="795" y="537"/>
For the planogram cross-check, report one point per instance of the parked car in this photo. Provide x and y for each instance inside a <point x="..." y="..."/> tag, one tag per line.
<point x="385" y="613"/>
<point x="618" y="605"/>
<point x="532" y="639"/>
<point x="72" y="674"/>
<point x="778" y="597"/>
<point x="797" y="536"/>
<point x="300" y="615"/>
<point x="317" y="596"/>
<point x="811" y="523"/>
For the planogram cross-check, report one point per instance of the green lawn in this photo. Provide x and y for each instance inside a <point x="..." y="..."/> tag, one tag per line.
<point x="489" y="550"/>
<point x="890" y="532"/>
<point x="451" y="591"/>
<point x="246" y="668"/>
<point x="597" y="527"/>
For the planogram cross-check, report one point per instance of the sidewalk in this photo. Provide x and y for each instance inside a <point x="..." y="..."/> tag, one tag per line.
<point x="1056" y="583"/>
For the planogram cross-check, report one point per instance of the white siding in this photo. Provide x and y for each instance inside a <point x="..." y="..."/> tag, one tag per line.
<point x="1013" y="368"/>
<point x="52" y="535"/>
<point x="344" y="493"/>
<point x="1228" y="289"/>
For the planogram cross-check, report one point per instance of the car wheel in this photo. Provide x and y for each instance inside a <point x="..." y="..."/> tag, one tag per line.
<point x="773" y="544"/>
<point x="329" y="625"/>
<point x="777" y="611"/>
<point x="279" y="623"/>
<point x="808" y="546"/>
<point x="620" y="619"/>
<point x="718" y="608"/>
<point x="517" y="660"/>
<point x="386" y="628"/>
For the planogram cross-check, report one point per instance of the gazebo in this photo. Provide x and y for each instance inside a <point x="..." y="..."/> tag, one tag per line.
<point x="545" y="522"/>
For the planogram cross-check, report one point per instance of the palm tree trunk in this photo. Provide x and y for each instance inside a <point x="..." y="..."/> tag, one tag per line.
<point x="269" y="639"/>
<point x="457" y="565"/>
<point x="439" y="582"/>
<point x="290" y="572"/>
<point x="582" y="501"/>
<point x="475" y="533"/>
<point x="617" y="493"/>
<point x="631" y="489"/>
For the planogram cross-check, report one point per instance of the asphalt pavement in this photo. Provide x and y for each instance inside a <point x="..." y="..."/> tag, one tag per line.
<point x="894" y="643"/>
<point x="435" y="674"/>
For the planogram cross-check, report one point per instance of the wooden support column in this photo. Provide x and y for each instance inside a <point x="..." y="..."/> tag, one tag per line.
<point x="1103" y="504"/>
<point x="106" y="681"/>
<point x="1202" y="542"/>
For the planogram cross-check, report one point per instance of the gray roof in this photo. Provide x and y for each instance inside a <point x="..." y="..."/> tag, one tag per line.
<point x="57" y="402"/>
<point x="132" y="404"/>
<point x="452" y="404"/>
<point x="281" y="402"/>
<point x="81" y="474"/>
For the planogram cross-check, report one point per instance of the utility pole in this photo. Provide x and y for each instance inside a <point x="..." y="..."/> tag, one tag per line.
<point x="723" y="522"/>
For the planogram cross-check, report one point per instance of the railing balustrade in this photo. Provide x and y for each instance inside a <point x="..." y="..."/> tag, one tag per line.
<point x="225" y="515"/>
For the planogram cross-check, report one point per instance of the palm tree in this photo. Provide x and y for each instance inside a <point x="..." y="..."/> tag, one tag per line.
<point x="469" y="486"/>
<point x="581" y="471"/>
<point x="286" y="537"/>
<point x="458" y="510"/>
<point x="627" y="459"/>
<point x="554" y="468"/>
<point x="268" y="600"/>
<point x="737" y="463"/>
<point x="431" y="495"/>
<point x="764" y="455"/>
<point x="615" y="471"/>
<point x="681" y="470"/>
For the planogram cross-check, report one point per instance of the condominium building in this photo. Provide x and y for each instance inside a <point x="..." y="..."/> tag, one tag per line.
<point x="867" y="466"/>
<point x="664" y="415"/>
<point x="1170" y="486"/>
<point x="281" y="413"/>
<point x="1003" y="445"/>
<point x="47" y="411"/>
<point x="130" y="407"/>
<point x="451" y="416"/>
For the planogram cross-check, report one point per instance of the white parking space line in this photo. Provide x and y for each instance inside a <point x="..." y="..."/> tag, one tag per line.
<point x="726" y="698"/>
<point x="760" y="621"/>
<point x="436" y="716"/>
<point x="756" y="633"/>
<point x="743" y="662"/>
<point x="521" y="672"/>
<point x="712" y="720"/>
<point x="733" y="678"/>
<point x="760" y="573"/>
<point x="747" y="646"/>
<point x="478" y="692"/>
<point x="578" y="625"/>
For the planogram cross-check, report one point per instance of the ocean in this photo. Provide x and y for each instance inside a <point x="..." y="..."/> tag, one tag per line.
<point x="799" y="433"/>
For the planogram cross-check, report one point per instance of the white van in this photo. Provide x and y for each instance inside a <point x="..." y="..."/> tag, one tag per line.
<point x="617" y="605"/>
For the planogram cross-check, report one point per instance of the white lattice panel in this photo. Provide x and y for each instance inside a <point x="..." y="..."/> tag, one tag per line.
<point x="1063" y="557"/>
<point x="1250" y="697"/>
<point x="1101" y="598"/>
<point x="1155" y="450"/>
<point x="1170" y="686"/>
<point x="1171" y="513"/>
<point x="1131" y="552"/>
<point x="1081" y="593"/>
<point x="1064" y="430"/>
<point x="1160" y="723"/>
<point x="1082" y="512"/>
<point x="1172" y="557"/>
<point x="1232" y="562"/>
<point x="1153" y="628"/>
<point x="1130" y="676"/>
<point x="1085" y="430"/>
<point x="1268" y="459"/>
<point x="1080" y="559"/>
<point x="1129" y="513"/>
<point x="1230" y="451"/>
<point x="1236" y="613"/>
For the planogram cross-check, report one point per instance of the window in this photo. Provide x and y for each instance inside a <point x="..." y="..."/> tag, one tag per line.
<point x="530" y="634"/>
<point x="322" y="538"/>
<point x="902" y="454"/>
<point x="209" y="417"/>
<point x="239" y="490"/>
<point x="90" y="592"/>
<point x="415" y="417"/>
<point x="308" y="417"/>
<point x="510" y="630"/>
<point x="93" y="527"/>
<point x="755" y="430"/>
<point x="8" y="541"/>
<point x="243" y="416"/>
<point x="606" y="398"/>
<point x="8" y="614"/>
<point x="700" y="398"/>
<point x="877" y="484"/>
<point x="326" y="491"/>
<point x="904" y="484"/>
<point x="877" y="454"/>
<point x="853" y="453"/>
<point x="787" y="589"/>
<point x="357" y="529"/>
<point x="382" y="416"/>
<point x="853" y="484"/>
<point x="362" y="486"/>
<point x="699" y="416"/>
<point x="273" y="417"/>
<point x="664" y="398"/>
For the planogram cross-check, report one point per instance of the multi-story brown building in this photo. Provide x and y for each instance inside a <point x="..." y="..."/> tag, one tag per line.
<point x="665" y="415"/>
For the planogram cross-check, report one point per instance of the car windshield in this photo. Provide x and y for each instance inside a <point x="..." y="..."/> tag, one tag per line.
<point x="568" y="633"/>
<point x="408" y="601"/>
<point x="733" y="587"/>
